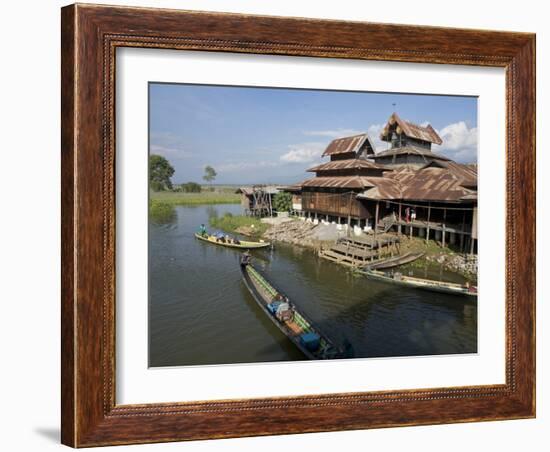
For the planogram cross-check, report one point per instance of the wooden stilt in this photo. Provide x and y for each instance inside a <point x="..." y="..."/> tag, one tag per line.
<point x="443" y="232"/>
<point x="399" y="227"/>
<point x="428" y="227"/>
<point x="462" y="235"/>
<point x="376" y="219"/>
<point x="349" y="213"/>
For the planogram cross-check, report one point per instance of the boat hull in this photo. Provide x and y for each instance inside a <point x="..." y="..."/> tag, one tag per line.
<point x="262" y="302"/>
<point x="242" y="245"/>
<point x="417" y="283"/>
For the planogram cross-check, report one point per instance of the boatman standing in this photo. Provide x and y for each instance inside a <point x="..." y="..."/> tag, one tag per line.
<point x="245" y="258"/>
<point x="202" y="230"/>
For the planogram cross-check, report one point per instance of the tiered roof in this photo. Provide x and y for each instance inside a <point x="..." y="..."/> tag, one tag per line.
<point x="439" y="179"/>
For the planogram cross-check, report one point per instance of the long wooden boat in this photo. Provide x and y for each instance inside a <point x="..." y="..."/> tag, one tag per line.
<point x="420" y="283"/>
<point x="241" y="243"/>
<point x="394" y="261"/>
<point x="294" y="324"/>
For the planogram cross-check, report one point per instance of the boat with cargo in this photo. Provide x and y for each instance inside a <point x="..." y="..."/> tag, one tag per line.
<point x="231" y="242"/>
<point x="309" y="339"/>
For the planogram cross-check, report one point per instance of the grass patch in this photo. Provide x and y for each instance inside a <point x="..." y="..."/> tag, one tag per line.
<point x="230" y="223"/>
<point x="161" y="212"/>
<point x="431" y="248"/>
<point x="205" y="197"/>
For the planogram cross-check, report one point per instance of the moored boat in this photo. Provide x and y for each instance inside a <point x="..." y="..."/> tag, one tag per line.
<point x="232" y="242"/>
<point x="285" y="315"/>
<point x="420" y="283"/>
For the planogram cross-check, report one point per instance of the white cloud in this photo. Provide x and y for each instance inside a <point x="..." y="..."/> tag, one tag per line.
<point x="336" y="133"/>
<point x="374" y="134"/>
<point x="303" y="153"/>
<point x="169" y="152"/>
<point x="459" y="142"/>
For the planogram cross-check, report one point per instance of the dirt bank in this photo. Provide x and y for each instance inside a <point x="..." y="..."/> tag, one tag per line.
<point x="309" y="235"/>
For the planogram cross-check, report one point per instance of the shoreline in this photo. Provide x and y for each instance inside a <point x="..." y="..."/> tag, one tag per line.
<point x="314" y="237"/>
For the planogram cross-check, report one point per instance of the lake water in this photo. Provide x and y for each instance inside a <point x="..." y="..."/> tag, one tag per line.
<point x="201" y="313"/>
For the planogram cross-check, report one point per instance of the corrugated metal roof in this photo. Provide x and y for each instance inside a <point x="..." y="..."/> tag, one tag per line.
<point x="292" y="188"/>
<point x="413" y="151"/>
<point x="412" y="130"/>
<point x="338" y="182"/>
<point x="468" y="173"/>
<point x="347" y="164"/>
<point x="270" y="189"/>
<point x="428" y="184"/>
<point x="348" y="144"/>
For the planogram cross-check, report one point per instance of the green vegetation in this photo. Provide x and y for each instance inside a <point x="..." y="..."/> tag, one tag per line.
<point x="160" y="172"/>
<point x="161" y="212"/>
<point x="431" y="247"/>
<point x="236" y="223"/>
<point x="282" y="202"/>
<point x="190" y="187"/>
<point x="221" y="195"/>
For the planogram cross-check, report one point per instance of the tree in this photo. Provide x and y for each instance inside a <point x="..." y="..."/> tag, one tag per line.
<point x="160" y="172"/>
<point x="282" y="202"/>
<point x="209" y="174"/>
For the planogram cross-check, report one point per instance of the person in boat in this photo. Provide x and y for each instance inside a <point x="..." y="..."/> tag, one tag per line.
<point x="202" y="230"/>
<point x="245" y="258"/>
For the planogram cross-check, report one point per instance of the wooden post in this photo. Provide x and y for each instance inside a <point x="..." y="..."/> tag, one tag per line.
<point x="473" y="229"/>
<point x="376" y="220"/>
<point x="462" y="235"/>
<point x="349" y="214"/>
<point x="428" y="228"/>
<point x="443" y="233"/>
<point x="399" y="227"/>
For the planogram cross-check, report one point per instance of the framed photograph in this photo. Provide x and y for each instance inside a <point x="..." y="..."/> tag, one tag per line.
<point x="282" y="225"/>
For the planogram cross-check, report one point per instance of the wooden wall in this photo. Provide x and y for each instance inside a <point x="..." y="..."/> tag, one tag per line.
<point x="336" y="204"/>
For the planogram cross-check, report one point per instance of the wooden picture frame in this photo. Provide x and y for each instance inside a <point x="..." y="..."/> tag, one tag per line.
<point x="90" y="36"/>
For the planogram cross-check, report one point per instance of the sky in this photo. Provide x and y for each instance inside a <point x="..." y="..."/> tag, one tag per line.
<point x="272" y="135"/>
